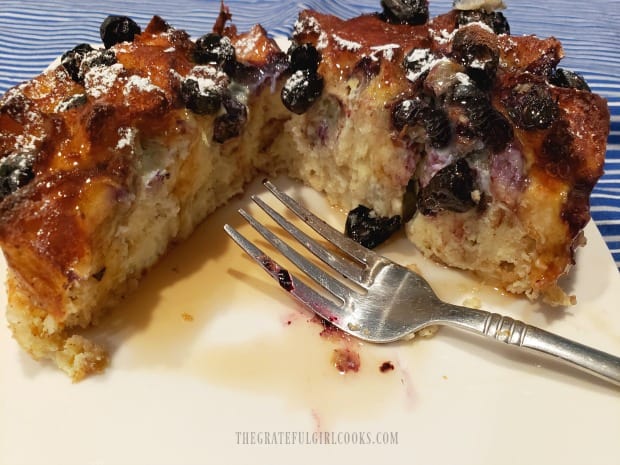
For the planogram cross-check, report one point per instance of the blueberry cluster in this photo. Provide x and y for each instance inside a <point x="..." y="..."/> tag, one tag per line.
<point x="305" y="84"/>
<point x="485" y="121"/>
<point x="215" y="100"/>
<point x="82" y="58"/>
<point x="475" y="52"/>
<point x="218" y="52"/>
<point x="216" y="49"/>
<point x="450" y="188"/>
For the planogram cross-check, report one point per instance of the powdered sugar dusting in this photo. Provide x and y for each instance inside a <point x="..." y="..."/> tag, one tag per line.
<point x="127" y="137"/>
<point x="442" y="36"/>
<point x="27" y="143"/>
<point x="307" y="24"/>
<point x="297" y="80"/>
<point x="422" y="60"/>
<point x="463" y="78"/>
<point x="345" y="44"/>
<point x="246" y="45"/>
<point x="139" y="83"/>
<point x="480" y="24"/>
<point x="72" y="102"/>
<point x="99" y="80"/>
<point x="323" y="41"/>
<point x="209" y="78"/>
<point x="387" y="50"/>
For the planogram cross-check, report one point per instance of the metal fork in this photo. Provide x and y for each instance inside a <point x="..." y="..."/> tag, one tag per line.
<point x="380" y="301"/>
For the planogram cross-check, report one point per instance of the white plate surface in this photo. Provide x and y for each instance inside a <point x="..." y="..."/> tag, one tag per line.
<point x="210" y="358"/>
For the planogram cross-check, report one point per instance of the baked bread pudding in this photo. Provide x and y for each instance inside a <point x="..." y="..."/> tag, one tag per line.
<point x="471" y="139"/>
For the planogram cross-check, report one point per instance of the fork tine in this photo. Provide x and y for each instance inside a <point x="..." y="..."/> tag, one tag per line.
<point x="344" y="266"/>
<point x="322" y="306"/>
<point x="347" y="245"/>
<point x="324" y="279"/>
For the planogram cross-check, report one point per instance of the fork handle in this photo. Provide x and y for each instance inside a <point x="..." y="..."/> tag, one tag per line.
<point x="515" y="332"/>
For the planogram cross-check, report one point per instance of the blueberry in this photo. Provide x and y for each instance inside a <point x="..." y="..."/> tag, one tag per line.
<point x="565" y="78"/>
<point x="231" y="123"/>
<point x="487" y="123"/>
<point x="304" y="57"/>
<point x="412" y="12"/>
<point x="531" y="107"/>
<point x="482" y="76"/>
<point x="468" y="95"/>
<point x="205" y="101"/>
<point x="499" y="23"/>
<point x="495" y="20"/>
<point x="437" y="127"/>
<point x="214" y="48"/>
<point x="301" y="90"/>
<point x="15" y="171"/>
<point x="497" y="131"/>
<point x="368" y="229"/>
<point x="450" y="189"/>
<point x="408" y="112"/>
<point x="243" y="73"/>
<point x="117" y="29"/>
<point x="252" y="75"/>
<point x="72" y="60"/>
<point x="479" y="56"/>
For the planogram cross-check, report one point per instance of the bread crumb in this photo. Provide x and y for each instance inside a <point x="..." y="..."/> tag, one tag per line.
<point x="187" y="317"/>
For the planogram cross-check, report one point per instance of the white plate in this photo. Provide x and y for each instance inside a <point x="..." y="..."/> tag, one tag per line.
<point x="210" y="357"/>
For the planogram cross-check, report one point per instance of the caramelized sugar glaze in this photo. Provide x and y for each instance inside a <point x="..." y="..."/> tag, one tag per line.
<point x="68" y="137"/>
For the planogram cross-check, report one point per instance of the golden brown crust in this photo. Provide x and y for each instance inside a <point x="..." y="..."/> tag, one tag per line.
<point x="87" y="173"/>
<point x="86" y="164"/>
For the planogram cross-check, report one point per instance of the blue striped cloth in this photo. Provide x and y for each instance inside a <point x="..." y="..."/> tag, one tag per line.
<point x="34" y="32"/>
